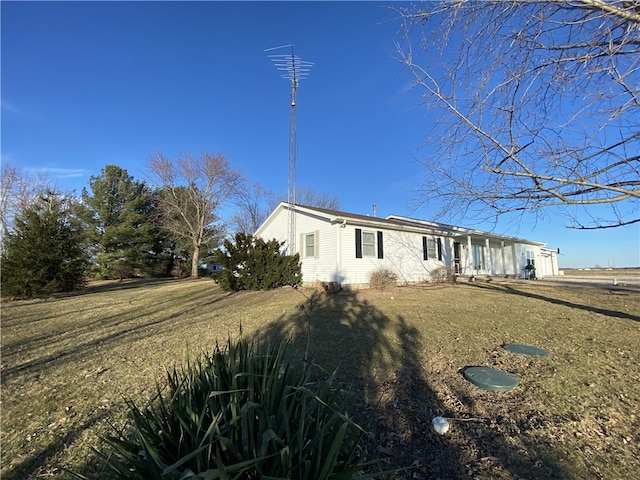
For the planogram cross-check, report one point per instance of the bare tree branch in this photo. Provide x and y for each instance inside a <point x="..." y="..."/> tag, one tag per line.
<point x="192" y="190"/>
<point x="252" y="208"/>
<point x="537" y="105"/>
<point x="19" y="189"/>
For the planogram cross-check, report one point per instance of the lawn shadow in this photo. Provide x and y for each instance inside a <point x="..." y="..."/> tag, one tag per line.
<point x="383" y="358"/>
<point x="72" y="345"/>
<point x="505" y="288"/>
<point x="40" y="463"/>
<point x="111" y="285"/>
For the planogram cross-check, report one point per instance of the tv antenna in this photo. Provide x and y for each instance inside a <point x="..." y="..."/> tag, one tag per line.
<point x="295" y="69"/>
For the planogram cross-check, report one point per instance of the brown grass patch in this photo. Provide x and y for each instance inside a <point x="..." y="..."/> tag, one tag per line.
<point x="69" y="362"/>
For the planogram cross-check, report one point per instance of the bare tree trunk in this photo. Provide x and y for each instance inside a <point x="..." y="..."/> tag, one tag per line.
<point x="191" y="192"/>
<point x="195" y="260"/>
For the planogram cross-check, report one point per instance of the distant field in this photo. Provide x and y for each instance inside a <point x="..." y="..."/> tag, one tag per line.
<point x="68" y="364"/>
<point x="601" y="271"/>
<point x="623" y="277"/>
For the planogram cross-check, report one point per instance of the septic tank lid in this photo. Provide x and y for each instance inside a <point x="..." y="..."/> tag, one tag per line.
<point x="525" y="349"/>
<point x="491" y="379"/>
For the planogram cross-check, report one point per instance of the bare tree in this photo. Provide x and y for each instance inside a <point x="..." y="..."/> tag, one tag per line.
<point x="309" y="197"/>
<point x="313" y="198"/>
<point x="537" y="105"/>
<point x="252" y="208"/>
<point x="191" y="192"/>
<point x="256" y="203"/>
<point x="18" y="190"/>
<point x="8" y="179"/>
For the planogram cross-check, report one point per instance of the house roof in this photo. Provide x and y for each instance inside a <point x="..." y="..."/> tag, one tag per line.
<point x="397" y="222"/>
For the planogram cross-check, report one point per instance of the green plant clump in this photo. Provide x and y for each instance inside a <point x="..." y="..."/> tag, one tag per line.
<point x="244" y="412"/>
<point x="45" y="252"/>
<point x="252" y="263"/>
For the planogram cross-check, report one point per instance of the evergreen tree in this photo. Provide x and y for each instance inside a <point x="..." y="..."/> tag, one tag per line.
<point x="45" y="252"/>
<point x="124" y="233"/>
<point x="252" y="263"/>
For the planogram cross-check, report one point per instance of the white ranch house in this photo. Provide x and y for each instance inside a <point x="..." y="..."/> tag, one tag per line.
<point x="345" y="248"/>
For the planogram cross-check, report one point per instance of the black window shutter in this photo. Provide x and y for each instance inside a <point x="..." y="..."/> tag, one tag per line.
<point x="358" y="243"/>
<point x="425" y="253"/>
<point x="439" y="249"/>
<point x="380" y="250"/>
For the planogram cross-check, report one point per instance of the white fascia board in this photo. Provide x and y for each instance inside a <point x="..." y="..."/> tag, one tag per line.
<point x="435" y="227"/>
<point x="380" y="225"/>
<point x="454" y="230"/>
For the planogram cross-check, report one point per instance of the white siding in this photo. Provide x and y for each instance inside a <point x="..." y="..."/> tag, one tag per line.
<point x="275" y="227"/>
<point x="548" y="263"/>
<point x="402" y="254"/>
<point x="334" y="259"/>
<point x="407" y="257"/>
<point x="323" y="265"/>
<point x="355" y="270"/>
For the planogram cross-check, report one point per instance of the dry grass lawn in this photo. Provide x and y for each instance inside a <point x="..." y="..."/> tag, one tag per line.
<point x="69" y="362"/>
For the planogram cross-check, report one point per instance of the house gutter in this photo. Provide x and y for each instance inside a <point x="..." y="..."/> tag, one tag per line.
<point x="343" y="221"/>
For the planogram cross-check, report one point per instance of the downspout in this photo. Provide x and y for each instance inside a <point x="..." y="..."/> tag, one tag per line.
<point x="339" y="274"/>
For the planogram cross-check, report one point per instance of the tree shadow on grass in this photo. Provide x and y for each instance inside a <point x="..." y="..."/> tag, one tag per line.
<point x="556" y="301"/>
<point x="81" y="342"/>
<point x="385" y="362"/>
<point x="124" y="284"/>
<point x="39" y="463"/>
<point x="397" y="393"/>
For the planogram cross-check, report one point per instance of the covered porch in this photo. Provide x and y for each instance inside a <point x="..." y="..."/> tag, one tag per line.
<point x="487" y="255"/>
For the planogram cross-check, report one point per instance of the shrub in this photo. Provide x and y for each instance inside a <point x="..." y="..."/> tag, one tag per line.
<point x="382" y="278"/>
<point x="252" y="263"/>
<point x="245" y="411"/>
<point x="122" y="270"/>
<point x="443" y="275"/>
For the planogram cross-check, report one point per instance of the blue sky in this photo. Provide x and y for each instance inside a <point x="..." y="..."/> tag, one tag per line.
<point x="86" y="84"/>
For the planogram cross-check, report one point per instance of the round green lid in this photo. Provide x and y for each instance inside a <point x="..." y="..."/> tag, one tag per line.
<point x="491" y="378"/>
<point x="525" y="349"/>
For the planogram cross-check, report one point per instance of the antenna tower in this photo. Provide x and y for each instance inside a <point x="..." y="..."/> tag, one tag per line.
<point x="294" y="70"/>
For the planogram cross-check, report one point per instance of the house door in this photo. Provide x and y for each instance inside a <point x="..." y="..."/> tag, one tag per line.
<point x="456" y="258"/>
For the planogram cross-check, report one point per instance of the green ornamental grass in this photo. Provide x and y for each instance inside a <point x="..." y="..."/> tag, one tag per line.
<point x="245" y="411"/>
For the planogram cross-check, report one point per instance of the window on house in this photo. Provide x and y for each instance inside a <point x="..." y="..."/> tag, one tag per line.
<point x="531" y="257"/>
<point x="477" y="256"/>
<point x="368" y="244"/>
<point x="311" y="243"/>
<point x="430" y="248"/>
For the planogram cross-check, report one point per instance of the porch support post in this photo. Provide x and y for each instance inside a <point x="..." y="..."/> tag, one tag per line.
<point x="516" y="260"/>
<point x="452" y="262"/>
<point x="487" y="257"/>
<point x="469" y="262"/>
<point x="504" y="263"/>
